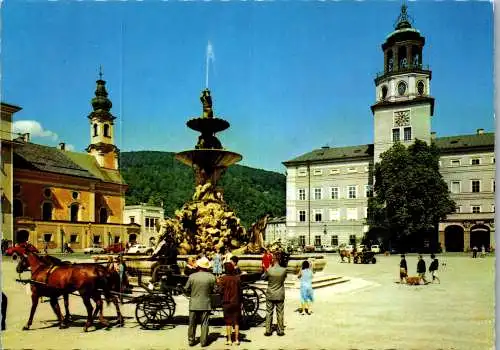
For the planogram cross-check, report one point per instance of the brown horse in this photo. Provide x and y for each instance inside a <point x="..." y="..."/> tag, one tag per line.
<point x="112" y="276"/>
<point x="55" y="280"/>
<point x="345" y="254"/>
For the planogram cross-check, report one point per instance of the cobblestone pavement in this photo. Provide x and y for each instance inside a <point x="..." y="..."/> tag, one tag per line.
<point x="369" y="312"/>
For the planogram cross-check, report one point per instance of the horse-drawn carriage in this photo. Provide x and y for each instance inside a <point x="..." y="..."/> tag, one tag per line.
<point x="364" y="257"/>
<point x="155" y="307"/>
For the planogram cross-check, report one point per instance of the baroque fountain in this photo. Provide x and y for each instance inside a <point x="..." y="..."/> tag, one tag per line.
<point x="206" y="223"/>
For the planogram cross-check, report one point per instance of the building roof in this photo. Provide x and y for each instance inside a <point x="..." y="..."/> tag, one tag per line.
<point x="337" y="153"/>
<point x="51" y="159"/>
<point x="447" y="144"/>
<point x="278" y="220"/>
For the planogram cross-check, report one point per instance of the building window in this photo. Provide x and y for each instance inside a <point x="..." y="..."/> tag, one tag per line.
<point x="455" y="187"/>
<point x="407" y="134"/>
<point x="493" y="186"/>
<point x="132" y="219"/>
<point x="18" y="208"/>
<point x="73" y="238"/>
<point x="16" y="189"/>
<point x="334" y="171"/>
<point x="146" y="224"/>
<point x="352" y="170"/>
<point x="368" y="191"/>
<point x="395" y="135"/>
<point x="335" y="241"/>
<point x="476" y="209"/>
<point x="97" y="239"/>
<point x="302" y="172"/>
<point x="47" y="237"/>
<point x="334" y="215"/>
<point x="476" y="186"/>
<point x="455" y="162"/>
<point x="493" y="160"/>
<point x="335" y="193"/>
<point x="317" y="172"/>
<point x="475" y="161"/>
<point x="317" y="193"/>
<point x="302" y="240"/>
<point x="302" y="194"/>
<point x="47" y="193"/>
<point x="384" y="92"/>
<point x="493" y="208"/>
<point x="302" y="215"/>
<point x="74" y="195"/>
<point x="351" y="192"/>
<point x="103" y="215"/>
<point x="458" y="209"/>
<point x="317" y="241"/>
<point x="95" y="129"/>
<point x="106" y="130"/>
<point x="318" y="215"/>
<point x="47" y="211"/>
<point x="352" y="239"/>
<point x="352" y="213"/>
<point x="73" y="212"/>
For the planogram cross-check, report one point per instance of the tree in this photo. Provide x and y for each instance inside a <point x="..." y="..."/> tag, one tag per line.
<point x="411" y="196"/>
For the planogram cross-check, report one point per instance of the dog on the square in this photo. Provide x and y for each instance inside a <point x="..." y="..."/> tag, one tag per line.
<point x="413" y="280"/>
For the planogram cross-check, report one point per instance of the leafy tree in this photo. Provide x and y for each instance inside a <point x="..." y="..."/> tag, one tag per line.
<point x="411" y="196"/>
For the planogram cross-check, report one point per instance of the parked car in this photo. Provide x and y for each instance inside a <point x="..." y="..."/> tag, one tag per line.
<point x="114" y="248"/>
<point x="330" y="249"/>
<point x="95" y="248"/>
<point x="140" y="249"/>
<point x="20" y="249"/>
<point x="375" y="248"/>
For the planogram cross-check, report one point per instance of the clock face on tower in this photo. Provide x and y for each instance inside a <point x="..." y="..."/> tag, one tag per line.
<point x="401" y="88"/>
<point x="401" y="118"/>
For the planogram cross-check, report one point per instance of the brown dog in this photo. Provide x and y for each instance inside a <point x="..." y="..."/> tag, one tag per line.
<point x="413" y="280"/>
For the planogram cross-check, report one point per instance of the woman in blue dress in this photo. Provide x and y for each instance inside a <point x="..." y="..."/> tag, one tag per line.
<point x="217" y="263"/>
<point x="306" y="290"/>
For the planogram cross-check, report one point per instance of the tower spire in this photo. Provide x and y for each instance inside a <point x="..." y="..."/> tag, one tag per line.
<point x="100" y="72"/>
<point x="404" y="20"/>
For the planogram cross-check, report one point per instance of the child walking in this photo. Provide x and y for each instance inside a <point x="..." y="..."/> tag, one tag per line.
<point x="403" y="269"/>
<point x="306" y="290"/>
<point x="433" y="267"/>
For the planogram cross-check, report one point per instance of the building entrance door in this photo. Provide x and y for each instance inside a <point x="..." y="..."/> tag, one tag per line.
<point x="480" y="236"/>
<point x="454" y="238"/>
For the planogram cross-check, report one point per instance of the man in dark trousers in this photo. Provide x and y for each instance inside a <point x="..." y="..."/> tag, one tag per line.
<point x="421" y="269"/>
<point x="200" y="286"/>
<point x="275" y="296"/>
<point x="4" y="310"/>
<point x="403" y="269"/>
<point x="433" y="267"/>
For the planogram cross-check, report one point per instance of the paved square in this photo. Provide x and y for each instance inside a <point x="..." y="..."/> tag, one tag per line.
<point x="369" y="312"/>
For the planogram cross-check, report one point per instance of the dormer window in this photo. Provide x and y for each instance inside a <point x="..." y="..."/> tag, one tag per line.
<point x="95" y="129"/>
<point x="106" y="130"/>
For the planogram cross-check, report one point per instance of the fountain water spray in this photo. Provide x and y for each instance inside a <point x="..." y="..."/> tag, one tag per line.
<point x="210" y="57"/>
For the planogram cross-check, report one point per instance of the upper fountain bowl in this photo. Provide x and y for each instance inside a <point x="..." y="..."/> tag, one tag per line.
<point x="208" y="158"/>
<point x="208" y="125"/>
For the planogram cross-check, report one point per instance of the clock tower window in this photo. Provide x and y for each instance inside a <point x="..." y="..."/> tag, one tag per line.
<point x="401" y="88"/>
<point x="420" y="87"/>
<point x="95" y="129"/>
<point x="384" y="92"/>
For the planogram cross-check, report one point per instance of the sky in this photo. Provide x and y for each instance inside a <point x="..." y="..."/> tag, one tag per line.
<point x="289" y="76"/>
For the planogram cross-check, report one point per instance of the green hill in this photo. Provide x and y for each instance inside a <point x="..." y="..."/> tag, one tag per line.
<point x="156" y="177"/>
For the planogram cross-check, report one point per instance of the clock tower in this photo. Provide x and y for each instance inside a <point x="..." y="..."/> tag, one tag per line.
<point x="403" y="108"/>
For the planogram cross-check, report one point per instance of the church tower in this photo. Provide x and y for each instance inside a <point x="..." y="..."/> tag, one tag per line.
<point x="102" y="145"/>
<point x="403" y="108"/>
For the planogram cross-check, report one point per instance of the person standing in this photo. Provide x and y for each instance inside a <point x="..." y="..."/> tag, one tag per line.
<point x="474" y="252"/>
<point x="403" y="269"/>
<point x="267" y="259"/>
<point x="234" y="259"/>
<point x="275" y="296"/>
<point x="483" y="251"/>
<point x="433" y="267"/>
<point x="217" y="263"/>
<point x="4" y="310"/>
<point x="200" y="286"/>
<point x="230" y="284"/>
<point x="421" y="268"/>
<point x="306" y="289"/>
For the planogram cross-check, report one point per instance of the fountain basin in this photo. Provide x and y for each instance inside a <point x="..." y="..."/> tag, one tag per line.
<point x="210" y="125"/>
<point x="208" y="158"/>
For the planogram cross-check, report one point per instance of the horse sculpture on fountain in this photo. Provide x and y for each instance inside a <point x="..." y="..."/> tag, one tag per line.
<point x="53" y="280"/>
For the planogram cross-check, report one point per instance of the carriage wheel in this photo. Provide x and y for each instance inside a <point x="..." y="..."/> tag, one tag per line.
<point x="374" y="260"/>
<point x="253" y="305"/>
<point x="155" y="311"/>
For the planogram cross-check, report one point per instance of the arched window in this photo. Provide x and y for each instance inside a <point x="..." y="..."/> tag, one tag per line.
<point x="47" y="211"/>
<point x="106" y="130"/>
<point x="390" y="61"/>
<point x="95" y="129"/>
<point x="18" y="208"/>
<point x="403" y="60"/>
<point x="74" y="212"/>
<point x="103" y="216"/>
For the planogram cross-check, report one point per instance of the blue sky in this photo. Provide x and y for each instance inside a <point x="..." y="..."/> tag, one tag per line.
<point x="289" y="76"/>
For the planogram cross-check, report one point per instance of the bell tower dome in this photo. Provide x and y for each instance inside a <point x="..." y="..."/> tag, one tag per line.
<point x="102" y="145"/>
<point x="403" y="108"/>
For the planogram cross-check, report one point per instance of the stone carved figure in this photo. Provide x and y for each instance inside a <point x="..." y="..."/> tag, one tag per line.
<point x="256" y="242"/>
<point x="206" y="100"/>
<point x="208" y="141"/>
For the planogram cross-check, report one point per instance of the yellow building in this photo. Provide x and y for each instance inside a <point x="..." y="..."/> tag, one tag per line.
<point x="60" y="196"/>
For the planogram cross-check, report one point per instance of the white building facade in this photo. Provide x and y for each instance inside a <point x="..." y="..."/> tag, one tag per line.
<point x="328" y="189"/>
<point x="149" y="217"/>
<point x="276" y="230"/>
